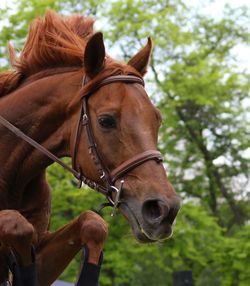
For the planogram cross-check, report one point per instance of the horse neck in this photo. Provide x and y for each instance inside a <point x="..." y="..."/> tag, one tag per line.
<point x="39" y="109"/>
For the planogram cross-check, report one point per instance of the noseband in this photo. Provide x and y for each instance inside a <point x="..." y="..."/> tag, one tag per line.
<point x="108" y="178"/>
<point x="107" y="187"/>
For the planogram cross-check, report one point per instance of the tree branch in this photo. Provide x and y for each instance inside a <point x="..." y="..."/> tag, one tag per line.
<point x="213" y="174"/>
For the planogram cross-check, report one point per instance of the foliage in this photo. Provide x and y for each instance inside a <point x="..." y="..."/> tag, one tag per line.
<point x="197" y="84"/>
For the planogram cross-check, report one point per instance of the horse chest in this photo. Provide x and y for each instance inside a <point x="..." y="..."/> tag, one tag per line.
<point x="31" y="199"/>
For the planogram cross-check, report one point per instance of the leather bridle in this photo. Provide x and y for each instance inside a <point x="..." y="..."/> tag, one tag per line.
<point x="108" y="178"/>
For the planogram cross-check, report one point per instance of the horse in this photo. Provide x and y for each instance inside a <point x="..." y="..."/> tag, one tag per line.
<point x="66" y="94"/>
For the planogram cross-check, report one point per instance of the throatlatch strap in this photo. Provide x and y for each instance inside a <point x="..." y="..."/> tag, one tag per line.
<point x="89" y="273"/>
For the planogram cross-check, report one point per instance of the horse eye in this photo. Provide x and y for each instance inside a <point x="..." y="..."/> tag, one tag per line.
<point x="107" y="121"/>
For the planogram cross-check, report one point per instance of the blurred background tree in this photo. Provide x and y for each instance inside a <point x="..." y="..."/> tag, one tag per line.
<point x="196" y="81"/>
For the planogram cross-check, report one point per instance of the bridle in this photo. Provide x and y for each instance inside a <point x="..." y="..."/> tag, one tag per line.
<point x="108" y="178"/>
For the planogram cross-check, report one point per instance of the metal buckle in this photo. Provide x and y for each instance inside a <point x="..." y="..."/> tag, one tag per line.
<point x="114" y="204"/>
<point x="103" y="175"/>
<point x="117" y="197"/>
<point x="85" y="119"/>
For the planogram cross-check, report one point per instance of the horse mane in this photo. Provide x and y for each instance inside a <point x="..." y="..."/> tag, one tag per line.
<point x="53" y="41"/>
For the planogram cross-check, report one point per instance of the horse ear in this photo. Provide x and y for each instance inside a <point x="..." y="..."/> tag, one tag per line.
<point x="94" y="55"/>
<point x="141" y="60"/>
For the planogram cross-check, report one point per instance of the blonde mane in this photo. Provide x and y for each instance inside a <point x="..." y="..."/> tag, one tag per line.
<point x="53" y="41"/>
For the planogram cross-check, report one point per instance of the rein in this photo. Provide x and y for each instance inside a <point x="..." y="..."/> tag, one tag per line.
<point x="108" y="178"/>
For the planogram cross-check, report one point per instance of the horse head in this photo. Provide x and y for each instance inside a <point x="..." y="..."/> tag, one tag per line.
<point x="124" y="133"/>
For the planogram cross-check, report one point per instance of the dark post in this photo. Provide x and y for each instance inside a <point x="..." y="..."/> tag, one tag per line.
<point x="183" y="278"/>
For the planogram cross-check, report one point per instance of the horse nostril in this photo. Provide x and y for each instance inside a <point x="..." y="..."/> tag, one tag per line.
<point x="154" y="211"/>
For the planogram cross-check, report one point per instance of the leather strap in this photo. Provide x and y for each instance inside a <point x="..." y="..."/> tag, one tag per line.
<point x="134" y="162"/>
<point x="112" y="79"/>
<point x="78" y="175"/>
<point x="110" y="178"/>
<point x="93" y="152"/>
<point x="84" y="122"/>
<point x="36" y="145"/>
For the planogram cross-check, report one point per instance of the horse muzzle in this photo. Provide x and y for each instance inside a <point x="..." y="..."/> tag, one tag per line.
<point x="152" y="220"/>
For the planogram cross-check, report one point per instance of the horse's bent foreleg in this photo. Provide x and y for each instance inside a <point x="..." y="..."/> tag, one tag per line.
<point x="16" y="234"/>
<point x="57" y="249"/>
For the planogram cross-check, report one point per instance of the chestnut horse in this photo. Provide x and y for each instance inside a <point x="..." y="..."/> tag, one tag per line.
<point x="62" y="62"/>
